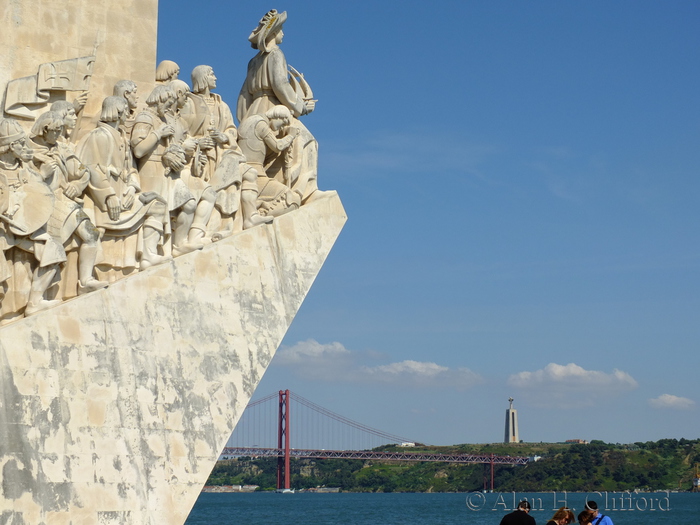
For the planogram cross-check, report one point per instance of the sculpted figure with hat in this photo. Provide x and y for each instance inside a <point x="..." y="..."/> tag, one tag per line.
<point x="271" y="82"/>
<point x="24" y="226"/>
<point x="67" y="178"/>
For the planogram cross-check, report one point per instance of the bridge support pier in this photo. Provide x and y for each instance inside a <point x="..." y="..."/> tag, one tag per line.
<point x="283" y="476"/>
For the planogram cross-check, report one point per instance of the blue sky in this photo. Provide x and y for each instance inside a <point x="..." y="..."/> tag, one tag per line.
<point x="522" y="186"/>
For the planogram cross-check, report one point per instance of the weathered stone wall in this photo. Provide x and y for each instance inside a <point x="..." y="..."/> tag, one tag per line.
<point x="122" y="34"/>
<point x="114" y="406"/>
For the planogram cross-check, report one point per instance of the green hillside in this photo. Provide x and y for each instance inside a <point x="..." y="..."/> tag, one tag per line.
<point x="597" y="466"/>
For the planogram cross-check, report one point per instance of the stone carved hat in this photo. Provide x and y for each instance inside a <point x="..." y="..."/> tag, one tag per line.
<point x="268" y="26"/>
<point x="10" y="131"/>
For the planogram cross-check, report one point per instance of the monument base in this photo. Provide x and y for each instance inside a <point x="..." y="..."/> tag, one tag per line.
<point x="114" y="406"/>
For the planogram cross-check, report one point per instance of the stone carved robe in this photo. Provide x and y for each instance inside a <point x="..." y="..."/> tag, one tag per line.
<point x="67" y="213"/>
<point x="23" y="252"/>
<point x="107" y="154"/>
<point x="222" y="170"/>
<point x="152" y="172"/>
<point x="258" y="142"/>
<point x="267" y="85"/>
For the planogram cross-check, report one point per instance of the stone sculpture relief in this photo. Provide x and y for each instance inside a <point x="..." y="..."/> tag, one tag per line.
<point x="143" y="187"/>
<point x="24" y="96"/>
<point x="31" y="255"/>
<point x="271" y="82"/>
<point x="167" y="71"/>
<point x="269" y="136"/>
<point x="67" y="178"/>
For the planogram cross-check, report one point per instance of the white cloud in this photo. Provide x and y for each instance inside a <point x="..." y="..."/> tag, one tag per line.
<point x="310" y="349"/>
<point x="669" y="401"/>
<point x="421" y="373"/>
<point x="313" y="360"/>
<point x="333" y="362"/>
<point x="570" y="386"/>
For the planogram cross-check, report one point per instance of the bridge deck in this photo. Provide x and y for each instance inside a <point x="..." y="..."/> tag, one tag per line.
<point x="368" y="454"/>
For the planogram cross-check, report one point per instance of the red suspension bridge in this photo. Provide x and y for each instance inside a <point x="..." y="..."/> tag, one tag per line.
<point x="314" y="425"/>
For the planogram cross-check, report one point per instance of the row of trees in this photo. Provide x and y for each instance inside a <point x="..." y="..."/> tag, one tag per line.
<point x="660" y="465"/>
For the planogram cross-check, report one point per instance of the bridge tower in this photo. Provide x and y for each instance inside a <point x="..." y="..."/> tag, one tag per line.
<point x="511" y="435"/>
<point x="283" y="477"/>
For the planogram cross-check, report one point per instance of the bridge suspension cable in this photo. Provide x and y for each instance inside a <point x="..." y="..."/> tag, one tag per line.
<point x="391" y="438"/>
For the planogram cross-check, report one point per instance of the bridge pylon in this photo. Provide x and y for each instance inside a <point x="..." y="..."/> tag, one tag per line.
<point x="283" y="475"/>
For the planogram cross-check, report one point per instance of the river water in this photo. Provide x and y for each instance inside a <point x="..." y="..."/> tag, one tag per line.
<point x="432" y="509"/>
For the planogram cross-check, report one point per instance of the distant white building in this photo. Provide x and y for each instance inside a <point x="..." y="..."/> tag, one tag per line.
<point x="512" y="435"/>
<point x="407" y="444"/>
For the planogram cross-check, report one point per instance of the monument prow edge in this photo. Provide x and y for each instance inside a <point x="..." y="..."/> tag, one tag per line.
<point x="114" y="406"/>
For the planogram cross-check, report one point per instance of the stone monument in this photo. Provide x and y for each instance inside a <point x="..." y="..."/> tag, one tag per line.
<point x="512" y="435"/>
<point x="151" y="260"/>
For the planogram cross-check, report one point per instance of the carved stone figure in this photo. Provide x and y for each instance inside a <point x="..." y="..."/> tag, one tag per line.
<point x="210" y="122"/>
<point x="167" y="71"/>
<point x="67" y="179"/>
<point x="268" y="83"/>
<point x="150" y="138"/>
<point x="29" y="206"/>
<point x="263" y="139"/>
<point x="72" y="113"/>
<point x="128" y="90"/>
<point x="133" y="221"/>
<point x="194" y="172"/>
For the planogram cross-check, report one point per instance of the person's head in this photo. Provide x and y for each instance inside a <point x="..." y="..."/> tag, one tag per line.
<point x="161" y="98"/>
<point x="166" y="71"/>
<point x="114" y="109"/>
<point x="269" y="31"/>
<point x="67" y="111"/>
<point x="180" y="89"/>
<point x="127" y="89"/>
<point x="279" y="117"/>
<point x="592" y="506"/>
<point x="13" y="140"/>
<point x="524" y="505"/>
<point x="563" y="516"/>
<point x="585" y="517"/>
<point x="202" y="78"/>
<point x="49" y="126"/>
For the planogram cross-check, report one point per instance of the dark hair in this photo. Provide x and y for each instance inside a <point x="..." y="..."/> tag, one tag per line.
<point x="592" y="505"/>
<point x="524" y="504"/>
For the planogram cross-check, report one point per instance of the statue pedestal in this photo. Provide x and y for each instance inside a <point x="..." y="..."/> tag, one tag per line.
<point x="114" y="406"/>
